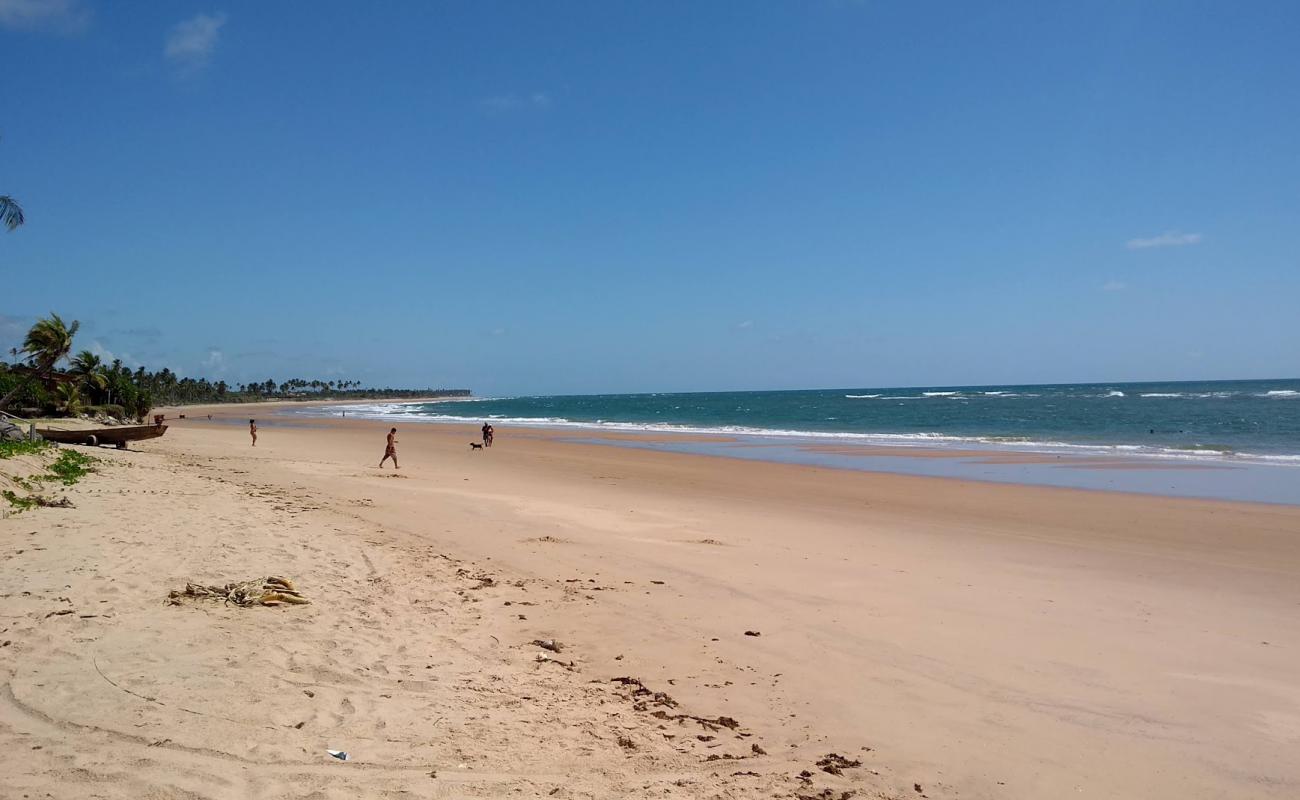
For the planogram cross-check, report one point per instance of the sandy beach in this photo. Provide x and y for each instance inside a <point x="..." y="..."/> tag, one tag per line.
<point x="943" y="638"/>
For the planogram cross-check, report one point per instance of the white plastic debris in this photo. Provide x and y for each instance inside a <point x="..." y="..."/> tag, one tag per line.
<point x="341" y="755"/>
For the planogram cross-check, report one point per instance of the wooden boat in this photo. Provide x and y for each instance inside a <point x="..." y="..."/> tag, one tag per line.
<point x="97" y="436"/>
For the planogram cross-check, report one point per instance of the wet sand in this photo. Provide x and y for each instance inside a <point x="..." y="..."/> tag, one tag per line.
<point x="972" y="639"/>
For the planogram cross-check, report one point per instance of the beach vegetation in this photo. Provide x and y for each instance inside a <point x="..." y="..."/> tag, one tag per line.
<point x="47" y="343"/>
<point x="19" y="502"/>
<point x="66" y="468"/>
<point x="11" y="214"/>
<point x="24" y="447"/>
<point x="88" y="385"/>
<point x="70" y="467"/>
<point x="68" y="398"/>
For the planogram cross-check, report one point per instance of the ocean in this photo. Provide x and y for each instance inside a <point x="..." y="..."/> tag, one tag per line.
<point x="1239" y="421"/>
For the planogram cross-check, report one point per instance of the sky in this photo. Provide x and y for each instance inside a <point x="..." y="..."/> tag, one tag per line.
<point x="573" y="197"/>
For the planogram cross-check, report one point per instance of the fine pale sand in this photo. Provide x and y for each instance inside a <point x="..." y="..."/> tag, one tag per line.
<point x="959" y="639"/>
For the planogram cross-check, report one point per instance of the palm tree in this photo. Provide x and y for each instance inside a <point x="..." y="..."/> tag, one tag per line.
<point x="90" y="369"/>
<point x="48" y="342"/>
<point x="11" y="214"/>
<point x="69" y="398"/>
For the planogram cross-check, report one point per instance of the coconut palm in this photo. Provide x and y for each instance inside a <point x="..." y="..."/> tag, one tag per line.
<point x="11" y="214"/>
<point x="69" y="398"/>
<point x="90" y="369"/>
<point x="48" y="342"/>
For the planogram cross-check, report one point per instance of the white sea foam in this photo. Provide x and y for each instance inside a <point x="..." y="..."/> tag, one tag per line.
<point x="938" y="394"/>
<point x="861" y="396"/>
<point x="413" y="412"/>
<point x="1114" y="394"/>
<point x="1163" y="394"/>
<point x="1281" y="393"/>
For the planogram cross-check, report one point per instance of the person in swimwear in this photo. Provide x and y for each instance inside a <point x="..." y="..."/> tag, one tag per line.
<point x="390" y="451"/>
<point x="252" y="430"/>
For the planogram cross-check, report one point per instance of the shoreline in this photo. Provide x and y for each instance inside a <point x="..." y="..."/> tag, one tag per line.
<point x="303" y="402"/>
<point x="1214" y="478"/>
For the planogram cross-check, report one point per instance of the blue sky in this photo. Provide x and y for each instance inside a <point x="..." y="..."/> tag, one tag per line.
<point x="573" y="197"/>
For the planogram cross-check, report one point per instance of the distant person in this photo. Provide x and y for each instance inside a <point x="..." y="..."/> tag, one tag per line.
<point x="390" y="451"/>
<point x="487" y="435"/>
<point x="252" y="430"/>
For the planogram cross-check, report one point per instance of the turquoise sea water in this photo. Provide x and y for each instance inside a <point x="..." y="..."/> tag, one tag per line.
<point x="1257" y="421"/>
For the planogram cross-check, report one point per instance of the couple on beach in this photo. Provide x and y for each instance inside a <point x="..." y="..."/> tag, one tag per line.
<point x="390" y="450"/>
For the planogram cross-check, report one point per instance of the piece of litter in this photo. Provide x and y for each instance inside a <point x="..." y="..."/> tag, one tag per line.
<point x="341" y="755"/>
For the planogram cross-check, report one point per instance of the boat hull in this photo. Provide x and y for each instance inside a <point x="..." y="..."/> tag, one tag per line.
<point x="97" y="436"/>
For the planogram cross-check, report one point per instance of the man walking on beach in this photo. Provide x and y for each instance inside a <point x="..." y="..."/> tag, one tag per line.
<point x="391" y="450"/>
<point x="252" y="430"/>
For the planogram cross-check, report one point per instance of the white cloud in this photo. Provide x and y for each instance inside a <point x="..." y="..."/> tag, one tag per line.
<point x="1114" y="286"/>
<point x="516" y="102"/>
<point x="1166" y="239"/>
<point x="108" y="356"/>
<point x="749" y="323"/>
<point x="53" y="16"/>
<point x="190" y="44"/>
<point x="216" y="360"/>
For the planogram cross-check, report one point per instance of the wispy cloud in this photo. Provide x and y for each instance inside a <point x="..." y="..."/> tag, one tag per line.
<point x="190" y="44"/>
<point x="216" y="360"/>
<point x="1166" y="239"/>
<point x="49" y="16"/>
<point x="1114" y="286"/>
<point x="749" y="323"/>
<point x="109" y="356"/>
<point x="502" y="103"/>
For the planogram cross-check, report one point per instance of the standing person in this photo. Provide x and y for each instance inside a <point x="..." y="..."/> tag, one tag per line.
<point x="390" y="451"/>
<point x="252" y="430"/>
<point x="487" y="435"/>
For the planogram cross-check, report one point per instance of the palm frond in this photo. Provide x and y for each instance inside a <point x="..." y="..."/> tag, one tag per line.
<point x="11" y="214"/>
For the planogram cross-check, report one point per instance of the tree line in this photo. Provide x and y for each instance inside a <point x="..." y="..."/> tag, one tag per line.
<point x="45" y="377"/>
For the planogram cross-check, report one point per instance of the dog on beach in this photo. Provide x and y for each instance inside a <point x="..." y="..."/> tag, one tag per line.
<point x="475" y="446"/>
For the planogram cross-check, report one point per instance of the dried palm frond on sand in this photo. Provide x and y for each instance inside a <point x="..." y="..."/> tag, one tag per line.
<point x="270" y="591"/>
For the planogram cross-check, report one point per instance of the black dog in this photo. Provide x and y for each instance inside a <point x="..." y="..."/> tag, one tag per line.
<point x="475" y="446"/>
